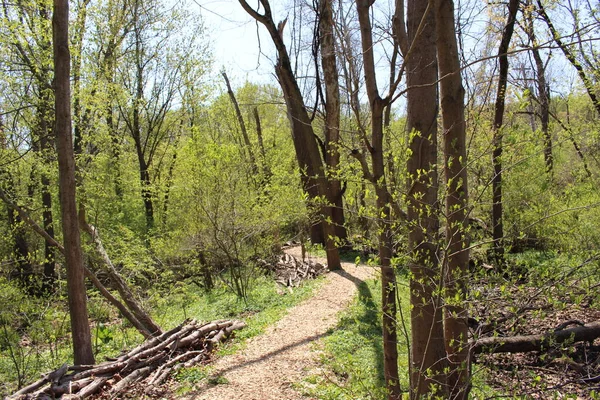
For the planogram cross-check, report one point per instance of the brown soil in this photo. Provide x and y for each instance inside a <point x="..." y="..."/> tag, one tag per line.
<point x="272" y="363"/>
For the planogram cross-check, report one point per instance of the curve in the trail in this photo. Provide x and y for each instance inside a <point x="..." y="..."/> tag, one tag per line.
<point x="272" y="362"/>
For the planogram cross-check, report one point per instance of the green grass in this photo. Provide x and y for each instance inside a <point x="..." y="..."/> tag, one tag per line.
<point x="353" y="354"/>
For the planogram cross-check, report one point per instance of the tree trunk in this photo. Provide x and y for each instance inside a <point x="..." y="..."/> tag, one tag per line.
<point x="565" y="48"/>
<point x="240" y="118"/>
<point x="146" y="182"/>
<point x="543" y="92"/>
<point x="332" y="118"/>
<point x="40" y="231"/>
<point x="542" y="342"/>
<point x="388" y="276"/>
<point x="80" y="329"/>
<point x="45" y="142"/>
<point x="456" y="258"/>
<point x="427" y="351"/>
<point x="497" y="225"/>
<point x="307" y="150"/>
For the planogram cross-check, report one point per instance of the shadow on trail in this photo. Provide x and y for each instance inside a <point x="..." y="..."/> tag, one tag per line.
<point x="270" y="354"/>
<point x="367" y="324"/>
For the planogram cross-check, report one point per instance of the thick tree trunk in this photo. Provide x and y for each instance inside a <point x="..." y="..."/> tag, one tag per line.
<point x="80" y="329"/>
<point x="455" y="168"/>
<point x="497" y="225"/>
<point x="427" y="351"/>
<point x="332" y="118"/>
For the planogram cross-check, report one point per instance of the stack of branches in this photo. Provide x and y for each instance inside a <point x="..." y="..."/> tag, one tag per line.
<point x="290" y="271"/>
<point x="150" y="364"/>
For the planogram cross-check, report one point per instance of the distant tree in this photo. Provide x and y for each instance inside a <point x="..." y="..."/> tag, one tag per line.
<point x="497" y="223"/>
<point x="26" y="28"/>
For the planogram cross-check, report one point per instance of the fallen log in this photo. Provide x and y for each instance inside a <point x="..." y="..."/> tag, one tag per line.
<point x="523" y="344"/>
<point x="151" y="363"/>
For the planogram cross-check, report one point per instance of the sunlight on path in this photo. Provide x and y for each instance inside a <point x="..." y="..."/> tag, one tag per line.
<point x="275" y="360"/>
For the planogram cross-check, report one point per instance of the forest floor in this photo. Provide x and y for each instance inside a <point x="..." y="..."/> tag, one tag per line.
<point x="272" y="365"/>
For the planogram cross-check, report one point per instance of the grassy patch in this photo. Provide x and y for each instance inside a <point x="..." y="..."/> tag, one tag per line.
<point x="353" y="354"/>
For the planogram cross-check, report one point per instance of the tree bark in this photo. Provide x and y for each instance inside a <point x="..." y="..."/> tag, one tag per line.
<point x="307" y="150"/>
<point x="497" y="213"/>
<point x="332" y="118"/>
<point x="456" y="258"/>
<point x="80" y="329"/>
<point x="427" y="359"/>
<point x="383" y="201"/>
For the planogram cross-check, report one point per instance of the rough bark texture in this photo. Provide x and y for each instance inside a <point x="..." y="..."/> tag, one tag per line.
<point x="388" y="277"/>
<point x="427" y="351"/>
<point x="305" y="144"/>
<point x="455" y="162"/>
<point x="497" y="226"/>
<point x="332" y="117"/>
<point x="80" y="329"/>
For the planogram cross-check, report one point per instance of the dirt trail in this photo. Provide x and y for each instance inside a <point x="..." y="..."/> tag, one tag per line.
<point x="280" y="357"/>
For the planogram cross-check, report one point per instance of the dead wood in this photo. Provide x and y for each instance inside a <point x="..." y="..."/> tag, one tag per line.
<point x="523" y="344"/>
<point x="290" y="271"/>
<point x="151" y="363"/>
<point x="140" y="315"/>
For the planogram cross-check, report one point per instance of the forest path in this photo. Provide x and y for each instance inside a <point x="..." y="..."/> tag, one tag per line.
<point x="273" y="361"/>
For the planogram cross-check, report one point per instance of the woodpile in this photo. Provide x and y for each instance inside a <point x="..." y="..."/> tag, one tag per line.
<point x="289" y="271"/>
<point x="150" y="364"/>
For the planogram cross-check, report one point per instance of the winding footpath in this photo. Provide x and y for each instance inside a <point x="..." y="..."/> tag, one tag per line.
<point x="273" y="362"/>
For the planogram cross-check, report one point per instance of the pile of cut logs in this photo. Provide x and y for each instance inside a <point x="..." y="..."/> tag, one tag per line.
<point x="290" y="271"/>
<point x="151" y="364"/>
